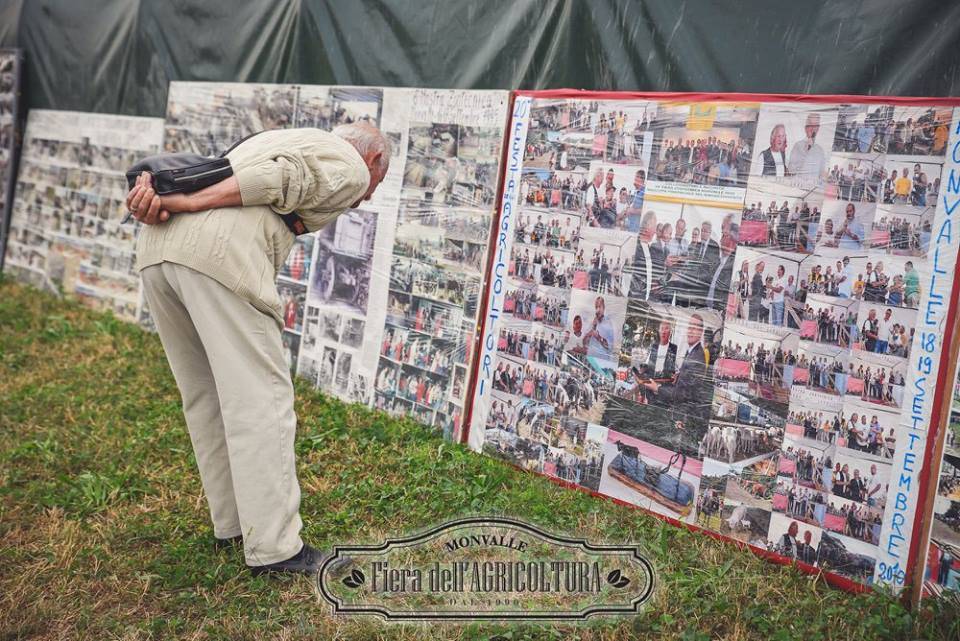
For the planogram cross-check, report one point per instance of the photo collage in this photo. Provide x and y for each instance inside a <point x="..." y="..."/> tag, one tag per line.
<point x="728" y="295"/>
<point x="65" y="230"/>
<point x="437" y="268"/>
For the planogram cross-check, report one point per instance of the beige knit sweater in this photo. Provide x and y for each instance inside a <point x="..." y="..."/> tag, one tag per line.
<point x="313" y="172"/>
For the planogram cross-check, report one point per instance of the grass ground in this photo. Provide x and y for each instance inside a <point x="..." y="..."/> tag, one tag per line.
<point x="104" y="532"/>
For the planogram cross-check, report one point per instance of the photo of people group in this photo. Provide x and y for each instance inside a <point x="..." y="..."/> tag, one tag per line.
<point x="738" y="309"/>
<point x="707" y="144"/>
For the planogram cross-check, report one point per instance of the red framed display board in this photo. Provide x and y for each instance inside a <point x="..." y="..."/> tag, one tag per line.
<point x="731" y="310"/>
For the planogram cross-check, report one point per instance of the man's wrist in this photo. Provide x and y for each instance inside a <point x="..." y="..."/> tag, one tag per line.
<point x="225" y="193"/>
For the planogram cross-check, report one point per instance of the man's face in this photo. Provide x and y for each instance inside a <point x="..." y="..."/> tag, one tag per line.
<point x="650" y="226"/>
<point x="851" y="211"/>
<point x="728" y="244"/>
<point x="807" y="537"/>
<point x="726" y="226"/>
<point x="681" y="228"/>
<point x="780" y="270"/>
<point x="778" y="139"/>
<point x="598" y="306"/>
<point x="706" y="229"/>
<point x="638" y="181"/>
<point x="886" y="315"/>
<point x="694" y="331"/>
<point x="665" y="331"/>
<point x="376" y="177"/>
<point x="812" y="127"/>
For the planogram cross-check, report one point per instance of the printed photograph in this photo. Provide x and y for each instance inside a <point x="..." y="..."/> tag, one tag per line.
<point x="793" y="144"/>
<point x="780" y="216"/>
<point x="913" y="181"/>
<point x="794" y="539"/>
<point x="756" y="361"/>
<point x="344" y="250"/>
<point x="325" y="107"/>
<point x="208" y="118"/>
<point x="664" y="377"/>
<point x="684" y="255"/>
<point x="652" y="477"/>
<point x="902" y="229"/>
<point x="704" y="143"/>
<point x="855" y="177"/>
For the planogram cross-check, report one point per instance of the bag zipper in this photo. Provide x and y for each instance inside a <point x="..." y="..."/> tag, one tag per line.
<point x="178" y="179"/>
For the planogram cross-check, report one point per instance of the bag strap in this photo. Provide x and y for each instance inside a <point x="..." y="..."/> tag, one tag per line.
<point x="238" y="143"/>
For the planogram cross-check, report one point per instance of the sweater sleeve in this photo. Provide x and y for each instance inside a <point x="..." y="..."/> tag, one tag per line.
<point x="306" y="172"/>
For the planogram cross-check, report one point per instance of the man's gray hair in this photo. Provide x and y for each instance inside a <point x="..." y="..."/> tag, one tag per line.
<point x="367" y="139"/>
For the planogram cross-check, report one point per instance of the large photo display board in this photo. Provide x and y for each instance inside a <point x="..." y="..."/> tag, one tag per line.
<point x="65" y="233"/>
<point x="380" y="307"/>
<point x="729" y="313"/>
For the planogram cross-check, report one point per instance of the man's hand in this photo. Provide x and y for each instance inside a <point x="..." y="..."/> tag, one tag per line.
<point x="145" y="204"/>
<point x="151" y="209"/>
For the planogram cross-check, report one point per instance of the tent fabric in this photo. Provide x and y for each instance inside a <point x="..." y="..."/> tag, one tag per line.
<point x="118" y="56"/>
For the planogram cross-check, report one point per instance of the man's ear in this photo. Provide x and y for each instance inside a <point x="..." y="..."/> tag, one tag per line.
<point x="375" y="160"/>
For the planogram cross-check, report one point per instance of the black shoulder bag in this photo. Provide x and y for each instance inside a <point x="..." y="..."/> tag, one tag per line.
<point x="184" y="173"/>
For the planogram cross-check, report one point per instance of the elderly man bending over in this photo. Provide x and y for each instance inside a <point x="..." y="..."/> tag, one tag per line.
<point x="209" y="261"/>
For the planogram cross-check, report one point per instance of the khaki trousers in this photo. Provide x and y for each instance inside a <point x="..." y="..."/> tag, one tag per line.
<point x="227" y="358"/>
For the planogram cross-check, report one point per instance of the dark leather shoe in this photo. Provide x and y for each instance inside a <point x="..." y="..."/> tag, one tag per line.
<point x="307" y="561"/>
<point x="224" y="544"/>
